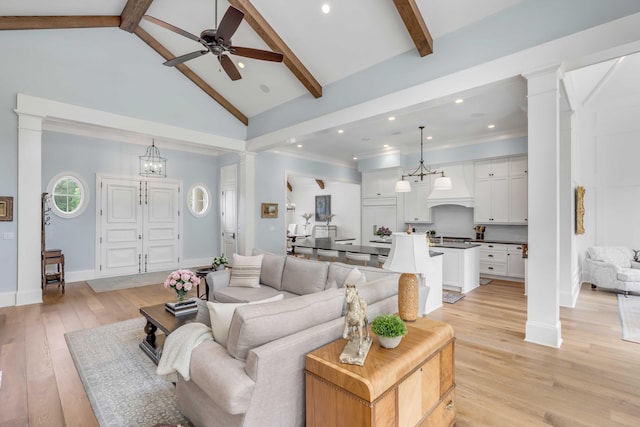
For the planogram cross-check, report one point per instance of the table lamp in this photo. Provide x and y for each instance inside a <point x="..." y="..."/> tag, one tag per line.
<point x="409" y="255"/>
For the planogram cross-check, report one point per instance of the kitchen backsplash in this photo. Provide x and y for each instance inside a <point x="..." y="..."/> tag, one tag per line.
<point x="457" y="221"/>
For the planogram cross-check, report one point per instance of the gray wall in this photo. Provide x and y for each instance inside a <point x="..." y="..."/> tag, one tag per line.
<point x="88" y="156"/>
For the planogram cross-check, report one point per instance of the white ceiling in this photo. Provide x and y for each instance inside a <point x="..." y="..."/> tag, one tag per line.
<point x="357" y="34"/>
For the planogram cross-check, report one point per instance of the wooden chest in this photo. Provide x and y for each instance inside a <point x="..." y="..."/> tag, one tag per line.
<point x="410" y="385"/>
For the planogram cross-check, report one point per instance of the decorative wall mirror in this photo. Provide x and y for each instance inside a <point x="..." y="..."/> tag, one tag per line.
<point x="198" y="200"/>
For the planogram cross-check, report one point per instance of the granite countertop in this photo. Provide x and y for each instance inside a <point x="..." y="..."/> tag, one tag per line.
<point x="504" y="242"/>
<point x="450" y="245"/>
<point x="328" y="243"/>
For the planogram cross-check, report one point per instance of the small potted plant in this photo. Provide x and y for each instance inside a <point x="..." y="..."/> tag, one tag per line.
<point x="383" y="232"/>
<point x="390" y="329"/>
<point x="220" y="262"/>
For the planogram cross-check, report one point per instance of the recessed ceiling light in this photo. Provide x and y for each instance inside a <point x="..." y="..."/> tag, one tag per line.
<point x="429" y="137"/>
<point x="355" y="158"/>
<point x="299" y="145"/>
<point x="491" y="126"/>
<point x="326" y="8"/>
<point x="265" y="88"/>
<point x="241" y="64"/>
<point x="459" y="101"/>
<point x="391" y="118"/>
<point x="366" y="138"/>
<point x="386" y="145"/>
<point x="340" y="131"/>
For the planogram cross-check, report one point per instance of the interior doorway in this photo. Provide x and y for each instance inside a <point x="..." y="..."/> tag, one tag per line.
<point x="228" y="211"/>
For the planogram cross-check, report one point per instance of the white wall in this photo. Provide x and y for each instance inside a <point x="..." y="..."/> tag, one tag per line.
<point x="608" y="151"/>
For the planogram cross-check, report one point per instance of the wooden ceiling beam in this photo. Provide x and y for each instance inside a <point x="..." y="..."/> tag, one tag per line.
<point x="289" y="187"/>
<point x="273" y="40"/>
<point x="410" y="14"/>
<point x="320" y="183"/>
<point x="132" y="13"/>
<point x="56" y="22"/>
<point x="166" y="54"/>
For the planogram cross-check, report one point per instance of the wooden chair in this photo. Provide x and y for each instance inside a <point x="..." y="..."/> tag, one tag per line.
<point x="303" y="252"/>
<point x="55" y="275"/>
<point x="327" y="254"/>
<point x="381" y="260"/>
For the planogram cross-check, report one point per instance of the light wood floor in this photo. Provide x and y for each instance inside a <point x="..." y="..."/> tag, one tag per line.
<point x="593" y="380"/>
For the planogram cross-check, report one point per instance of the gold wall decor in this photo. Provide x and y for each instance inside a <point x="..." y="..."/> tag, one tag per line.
<point x="269" y="210"/>
<point x="579" y="209"/>
<point x="6" y="208"/>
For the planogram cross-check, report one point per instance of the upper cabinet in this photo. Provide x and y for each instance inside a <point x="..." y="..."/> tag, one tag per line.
<point x="415" y="202"/>
<point x="501" y="191"/>
<point x="380" y="183"/>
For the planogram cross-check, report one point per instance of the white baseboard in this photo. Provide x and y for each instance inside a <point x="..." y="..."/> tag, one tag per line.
<point x="29" y="297"/>
<point x="79" y="276"/>
<point x="543" y="334"/>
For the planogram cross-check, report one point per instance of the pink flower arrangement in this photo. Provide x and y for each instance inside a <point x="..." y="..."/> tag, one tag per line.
<point x="181" y="281"/>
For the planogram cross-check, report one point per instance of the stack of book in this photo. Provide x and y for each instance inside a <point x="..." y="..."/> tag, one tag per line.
<point x="183" y="307"/>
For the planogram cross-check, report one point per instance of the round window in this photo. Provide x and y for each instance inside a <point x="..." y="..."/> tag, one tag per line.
<point x="198" y="200"/>
<point x="69" y="196"/>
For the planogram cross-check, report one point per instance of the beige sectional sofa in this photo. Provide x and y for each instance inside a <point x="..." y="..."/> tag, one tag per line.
<point x="258" y="378"/>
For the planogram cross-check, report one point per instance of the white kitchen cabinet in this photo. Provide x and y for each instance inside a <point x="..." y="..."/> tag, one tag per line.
<point x="492" y="201"/>
<point x="377" y="212"/>
<point x="515" y="262"/>
<point x="501" y="192"/>
<point x="380" y="183"/>
<point x="415" y="202"/>
<point x="460" y="268"/>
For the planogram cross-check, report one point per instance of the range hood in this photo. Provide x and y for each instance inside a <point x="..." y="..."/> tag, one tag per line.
<point x="459" y="194"/>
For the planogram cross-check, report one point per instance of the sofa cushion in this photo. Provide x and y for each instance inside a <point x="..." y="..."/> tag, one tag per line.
<point x="220" y="315"/>
<point x="246" y="271"/>
<point x="303" y="276"/>
<point x="379" y="289"/>
<point x="355" y="277"/>
<point x="255" y="325"/>
<point x="272" y="268"/>
<point x="338" y="272"/>
<point x="616" y="255"/>
<point x="628" y="275"/>
<point x="240" y="294"/>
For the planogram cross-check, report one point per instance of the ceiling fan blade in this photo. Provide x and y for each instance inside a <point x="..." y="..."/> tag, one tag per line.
<point x="229" y="23"/>
<point x="229" y="68"/>
<point x="264" y="55"/>
<point x="173" y="28"/>
<point x="183" y="58"/>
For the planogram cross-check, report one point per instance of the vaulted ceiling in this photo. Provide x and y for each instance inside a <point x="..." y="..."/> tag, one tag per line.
<point x="319" y="49"/>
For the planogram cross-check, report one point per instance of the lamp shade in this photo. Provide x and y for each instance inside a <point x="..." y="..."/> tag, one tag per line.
<point x="409" y="254"/>
<point x="443" y="183"/>
<point x="403" y="186"/>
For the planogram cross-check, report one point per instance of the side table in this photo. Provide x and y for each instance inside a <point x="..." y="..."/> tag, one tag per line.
<point x="410" y="385"/>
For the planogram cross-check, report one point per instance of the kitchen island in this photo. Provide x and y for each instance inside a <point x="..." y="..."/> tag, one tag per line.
<point x="433" y="278"/>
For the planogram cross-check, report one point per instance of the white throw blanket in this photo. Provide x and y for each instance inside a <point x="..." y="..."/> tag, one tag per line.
<point x="176" y="354"/>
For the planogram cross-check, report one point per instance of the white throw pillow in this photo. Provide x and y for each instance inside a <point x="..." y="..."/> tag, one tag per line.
<point x="245" y="271"/>
<point x="355" y="277"/>
<point x="221" y="313"/>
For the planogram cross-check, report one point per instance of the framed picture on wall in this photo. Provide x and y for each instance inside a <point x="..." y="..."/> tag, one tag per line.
<point x="6" y="208"/>
<point x="269" y="210"/>
<point x="323" y="207"/>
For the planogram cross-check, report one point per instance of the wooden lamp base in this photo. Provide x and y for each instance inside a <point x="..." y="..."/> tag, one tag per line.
<point x="408" y="297"/>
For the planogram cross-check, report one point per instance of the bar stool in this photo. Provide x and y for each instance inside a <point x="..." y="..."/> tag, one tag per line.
<point x="381" y="260"/>
<point x="358" y="258"/>
<point x="329" y="254"/>
<point x="307" y="253"/>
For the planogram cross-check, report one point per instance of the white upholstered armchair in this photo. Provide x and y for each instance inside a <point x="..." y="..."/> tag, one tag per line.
<point x="612" y="267"/>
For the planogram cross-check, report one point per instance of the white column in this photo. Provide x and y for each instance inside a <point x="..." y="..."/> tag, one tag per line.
<point x="543" y="317"/>
<point x="247" y="203"/>
<point x="29" y="209"/>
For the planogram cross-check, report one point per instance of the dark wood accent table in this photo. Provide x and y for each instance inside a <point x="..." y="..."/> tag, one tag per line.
<point x="158" y="318"/>
<point x="410" y="385"/>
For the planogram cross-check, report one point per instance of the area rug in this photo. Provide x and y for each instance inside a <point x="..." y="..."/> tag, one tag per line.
<point x="484" y="281"/>
<point x="119" y="379"/>
<point x="629" y="308"/>
<point x="451" y="297"/>
<point x="124" y="282"/>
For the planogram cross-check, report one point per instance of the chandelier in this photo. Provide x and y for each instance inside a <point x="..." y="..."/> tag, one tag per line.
<point x="441" y="183"/>
<point x="152" y="164"/>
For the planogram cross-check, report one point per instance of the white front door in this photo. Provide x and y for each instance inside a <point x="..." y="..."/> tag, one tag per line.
<point x="228" y="211"/>
<point x="160" y="226"/>
<point x="120" y="239"/>
<point x="138" y="227"/>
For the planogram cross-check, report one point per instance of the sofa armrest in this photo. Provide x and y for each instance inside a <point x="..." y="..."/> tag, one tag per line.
<point x="218" y="280"/>
<point x="635" y="264"/>
<point x="601" y="273"/>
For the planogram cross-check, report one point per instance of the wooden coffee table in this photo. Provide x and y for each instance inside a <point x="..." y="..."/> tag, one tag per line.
<point x="158" y="318"/>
